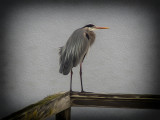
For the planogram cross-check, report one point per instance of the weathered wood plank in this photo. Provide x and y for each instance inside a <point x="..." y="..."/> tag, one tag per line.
<point x="58" y="103"/>
<point x="64" y="115"/>
<point x="43" y="109"/>
<point x="115" y="100"/>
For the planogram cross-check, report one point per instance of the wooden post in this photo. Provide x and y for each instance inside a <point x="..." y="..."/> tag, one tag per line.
<point x="64" y="115"/>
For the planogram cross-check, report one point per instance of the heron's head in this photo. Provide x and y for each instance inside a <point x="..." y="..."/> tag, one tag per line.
<point x="92" y="27"/>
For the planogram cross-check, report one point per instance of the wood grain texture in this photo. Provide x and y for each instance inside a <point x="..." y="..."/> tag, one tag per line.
<point x="60" y="104"/>
<point x="43" y="109"/>
<point x="115" y="100"/>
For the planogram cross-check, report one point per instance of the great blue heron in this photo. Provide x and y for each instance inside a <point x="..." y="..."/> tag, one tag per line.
<point x="76" y="49"/>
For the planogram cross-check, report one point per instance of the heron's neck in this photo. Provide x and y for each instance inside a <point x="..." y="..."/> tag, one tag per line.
<point x="92" y="36"/>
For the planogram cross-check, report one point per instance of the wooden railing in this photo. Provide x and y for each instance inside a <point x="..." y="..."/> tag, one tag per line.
<point x="60" y="104"/>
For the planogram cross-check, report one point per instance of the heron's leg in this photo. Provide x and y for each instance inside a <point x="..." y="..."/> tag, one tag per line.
<point x="71" y="81"/>
<point x="81" y="77"/>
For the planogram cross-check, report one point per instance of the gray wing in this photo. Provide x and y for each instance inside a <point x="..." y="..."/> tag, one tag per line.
<point x="73" y="52"/>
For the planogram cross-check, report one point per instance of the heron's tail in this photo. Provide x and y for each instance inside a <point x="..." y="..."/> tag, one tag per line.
<point x="66" y="64"/>
<point x="65" y="67"/>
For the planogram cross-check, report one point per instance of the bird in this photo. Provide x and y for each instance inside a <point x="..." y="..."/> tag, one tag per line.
<point x="75" y="50"/>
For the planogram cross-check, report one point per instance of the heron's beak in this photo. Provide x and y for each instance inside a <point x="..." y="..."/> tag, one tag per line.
<point x="102" y="27"/>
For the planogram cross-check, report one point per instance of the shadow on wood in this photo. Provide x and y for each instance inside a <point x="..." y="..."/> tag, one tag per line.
<point x="60" y="104"/>
<point x="64" y="115"/>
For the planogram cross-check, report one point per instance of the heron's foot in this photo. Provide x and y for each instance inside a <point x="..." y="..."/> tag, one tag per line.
<point x="82" y="91"/>
<point x="71" y="91"/>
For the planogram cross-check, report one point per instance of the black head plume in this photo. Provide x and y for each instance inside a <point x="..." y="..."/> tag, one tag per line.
<point x="89" y="25"/>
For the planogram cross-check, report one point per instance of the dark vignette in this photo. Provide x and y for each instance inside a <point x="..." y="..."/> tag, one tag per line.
<point x="6" y="5"/>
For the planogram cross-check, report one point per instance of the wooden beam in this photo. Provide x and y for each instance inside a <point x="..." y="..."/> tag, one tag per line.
<point x="64" y="115"/>
<point x="59" y="104"/>
<point x="115" y="100"/>
<point x="43" y="109"/>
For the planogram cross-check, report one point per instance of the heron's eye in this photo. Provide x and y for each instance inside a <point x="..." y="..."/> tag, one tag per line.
<point x="90" y="28"/>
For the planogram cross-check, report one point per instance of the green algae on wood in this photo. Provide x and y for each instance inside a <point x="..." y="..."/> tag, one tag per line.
<point x="43" y="109"/>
